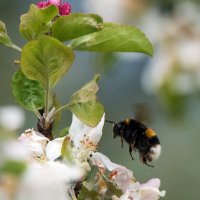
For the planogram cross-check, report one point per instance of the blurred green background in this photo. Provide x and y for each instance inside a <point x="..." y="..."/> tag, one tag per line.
<point x="124" y="83"/>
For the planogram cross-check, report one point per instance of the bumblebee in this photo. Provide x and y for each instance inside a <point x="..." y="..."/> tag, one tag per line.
<point x="139" y="137"/>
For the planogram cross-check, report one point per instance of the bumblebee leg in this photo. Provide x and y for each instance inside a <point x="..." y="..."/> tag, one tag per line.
<point x="148" y="164"/>
<point x="122" y="141"/>
<point x="130" y="151"/>
<point x="133" y="144"/>
<point x="144" y="161"/>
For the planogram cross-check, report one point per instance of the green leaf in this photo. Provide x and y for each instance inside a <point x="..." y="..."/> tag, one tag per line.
<point x="28" y="93"/>
<point x="90" y="113"/>
<point x="5" y="39"/>
<point x="85" y="193"/>
<point x="112" y="190"/>
<point x="46" y="60"/>
<point x="57" y="117"/>
<point x="63" y="132"/>
<point x="66" y="149"/>
<point x="85" y="105"/>
<point x="87" y="92"/>
<point x="114" y="38"/>
<point x="14" y="167"/>
<point x="75" y="25"/>
<point x="37" y="21"/>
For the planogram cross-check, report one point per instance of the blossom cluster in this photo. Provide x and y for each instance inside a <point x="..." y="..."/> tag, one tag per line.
<point x="64" y="8"/>
<point x="67" y="161"/>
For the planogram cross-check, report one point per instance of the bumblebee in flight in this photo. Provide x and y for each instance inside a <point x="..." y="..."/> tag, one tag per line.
<point x="139" y="137"/>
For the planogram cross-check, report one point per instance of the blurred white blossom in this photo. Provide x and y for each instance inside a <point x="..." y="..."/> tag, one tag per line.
<point x="48" y="181"/>
<point x="3" y="195"/>
<point x="115" y="13"/>
<point x="13" y="150"/>
<point x="12" y="117"/>
<point x="177" y="55"/>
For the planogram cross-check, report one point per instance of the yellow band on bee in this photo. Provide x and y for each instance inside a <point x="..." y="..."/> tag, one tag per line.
<point x="127" y="121"/>
<point x="150" y="133"/>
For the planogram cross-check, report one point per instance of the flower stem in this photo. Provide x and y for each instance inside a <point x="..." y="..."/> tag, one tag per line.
<point x="72" y="193"/>
<point x="47" y="102"/>
<point x="59" y="110"/>
<point x="37" y="114"/>
<point x="16" y="47"/>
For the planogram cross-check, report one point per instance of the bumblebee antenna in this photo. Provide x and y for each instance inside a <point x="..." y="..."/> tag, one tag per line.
<point x="111" y="122"/>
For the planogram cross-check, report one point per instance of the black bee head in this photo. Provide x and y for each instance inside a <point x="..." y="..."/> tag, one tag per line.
<point x="117" y="129"/>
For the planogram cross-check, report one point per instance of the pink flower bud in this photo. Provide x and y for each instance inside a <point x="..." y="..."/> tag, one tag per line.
<point x="43" y="4"/>
<point x="65" y="9"/>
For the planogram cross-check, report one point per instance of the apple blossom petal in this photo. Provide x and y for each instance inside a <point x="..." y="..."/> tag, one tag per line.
<point x="53" y="149"/>
<point x="124" y="197"/>
<point x="122" y="176"/>
<point x="34" y="141"/>
<point x="80" y="132"/>
<point x="154" y="182"/>
<point x="101" y="160"/>
<point x="131" y="196"/>
<point x="146" y="191"/>
<point x="150" y="191"/>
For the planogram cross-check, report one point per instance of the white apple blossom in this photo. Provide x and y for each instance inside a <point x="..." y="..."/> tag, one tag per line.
<point x="40" y="146"/>
<point x="85" y="140"/>
<point x="46" y="178"/>
<point x="122" y="176"/>
<point x="146" y="191"/>
<point x="124" y="179"/>
<point x="84" y="136"/>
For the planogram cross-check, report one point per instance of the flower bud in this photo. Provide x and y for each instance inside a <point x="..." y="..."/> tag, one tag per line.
<point x="65" y="9"/>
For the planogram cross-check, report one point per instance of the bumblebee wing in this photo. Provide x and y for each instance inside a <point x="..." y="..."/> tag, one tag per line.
<point x="142" y="113"/>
